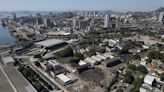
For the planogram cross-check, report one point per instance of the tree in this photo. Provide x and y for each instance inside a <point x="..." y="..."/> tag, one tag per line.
<point x="128" y="77"/>
<point x="38" y="64"/>
<point x="79" y="55"/>
<point x="149" y="60"/>
<point x="21" y="68"/>
<point x="138" y="82"/>
<point x="154" y="55"/>
<point x="119" y="90"/>
<point x="136" y="56"/>
<point x="133" y="67"/>
<point x="162" y="76"/>
<point x="74" y="60"/>
<point x="90" y="53"/>
<point x="142" y="69"/>
<point x="27" y="72"/>
<point x="65" y="53"/>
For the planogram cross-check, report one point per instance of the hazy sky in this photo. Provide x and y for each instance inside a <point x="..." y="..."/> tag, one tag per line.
<point x="58" y="5"/>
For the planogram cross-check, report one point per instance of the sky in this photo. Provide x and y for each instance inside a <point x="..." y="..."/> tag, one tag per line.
<point x="63" y="5"/>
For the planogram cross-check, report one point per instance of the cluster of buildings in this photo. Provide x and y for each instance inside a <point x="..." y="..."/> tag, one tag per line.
<point x="106" y="41"/>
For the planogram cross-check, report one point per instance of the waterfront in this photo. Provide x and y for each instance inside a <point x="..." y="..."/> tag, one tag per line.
<point x="5" y="36"/>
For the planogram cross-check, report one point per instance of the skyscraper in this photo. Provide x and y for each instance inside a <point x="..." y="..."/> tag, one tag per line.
<point x="14" y="16"/>
<point x="75" y="23"/>
<point x="39" y="20"/>
<point x="161" y="17"/>
<point x="45" y="22"/>
<point x="107" y="21"/>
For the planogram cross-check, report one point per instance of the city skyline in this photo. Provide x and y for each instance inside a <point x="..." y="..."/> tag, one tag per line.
<point x="64" y="5"/>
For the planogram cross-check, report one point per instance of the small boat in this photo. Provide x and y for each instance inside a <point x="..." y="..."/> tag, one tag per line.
<point x="3" y="23"/>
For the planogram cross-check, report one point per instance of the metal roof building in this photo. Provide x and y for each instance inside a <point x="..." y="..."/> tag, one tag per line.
<point x="149" y="79"/>
<point x="64" y="79"/>
<point x="49" y="42"/>
<point x="90" y="60"/>
<point x="96" y="58"/>
<point x="101" y="56"/>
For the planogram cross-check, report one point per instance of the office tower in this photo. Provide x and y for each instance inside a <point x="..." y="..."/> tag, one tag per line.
<point x="75" y="23"/>
<point x="47" y="22"/>
<point x="39" y="20"/>
<point x="38" y="15"/>
<point x="107" y="21"/>
<point x="14" y="17"/>
<point x="161" y="16"/>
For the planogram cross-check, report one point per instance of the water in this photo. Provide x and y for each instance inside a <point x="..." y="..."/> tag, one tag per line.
<point x="5" y="36"/>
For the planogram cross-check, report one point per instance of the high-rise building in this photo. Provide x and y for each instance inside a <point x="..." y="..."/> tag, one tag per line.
<point x="107" y="21"/>
<point x="39" y="20"/>
<point x="75" y="23"/>
<point x="47" y="22"/>
<point x="161" y="17"/>
<point x="14" y="16"/>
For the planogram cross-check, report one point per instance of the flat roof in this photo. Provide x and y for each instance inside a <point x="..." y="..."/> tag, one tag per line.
<point x="49" y="42"/>
<point x="17" y="79"/>
<point x="63" y="78"/>
<point x="96" y="58"/>
<point x="90" y="60"/>
<point x="101" y="56"/>
<point x="8" y="59"/>
<point x="81" y="62"/>
<point x="149" y="79"/>
<point x="5" y="85"/>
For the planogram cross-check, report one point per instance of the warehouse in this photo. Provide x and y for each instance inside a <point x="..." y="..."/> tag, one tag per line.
<point x="91" y="61"/>
<point x="64" y="79"/>
<point x="96" y="58"/>
<point x="51" y="44"/>
<point x="101" y="56"/>
<point x="112" y="62"/>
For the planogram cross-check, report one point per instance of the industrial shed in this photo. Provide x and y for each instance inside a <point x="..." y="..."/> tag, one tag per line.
<point x="51" y="44"/>
<point x="112" y="62"/>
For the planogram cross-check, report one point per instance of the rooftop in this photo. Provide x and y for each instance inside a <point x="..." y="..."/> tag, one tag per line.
<point x="63" y="78"/>
<point x="8" y="59"/>
<point x="149" y="79"/>
<point x="17" y="80"/>
<point x="5" y="85"/>
<point x="49" y="42"/>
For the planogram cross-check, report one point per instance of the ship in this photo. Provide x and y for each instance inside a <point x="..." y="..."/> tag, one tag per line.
<point x="3" y="23"/>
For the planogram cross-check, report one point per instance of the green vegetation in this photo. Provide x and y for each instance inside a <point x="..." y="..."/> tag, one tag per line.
<point x="90" y="53"/>
<point x="38" y="64"/>
<point x="35" y="79"/>
<point x="119" y="90"/>
<point x="65" y="53"/>
<point x="136" y="57"/>
<point x="137" y="84"/>
<point x="128" y="77"/>
<point x="149" y="60"/>
<point x="162" y="76"/>
<point x="74" y="60"/>
<point x="140" y="68"/>
<point x="156" y="55"/>
<point x="132" y="67"/>
<point x="79" y="55"/>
